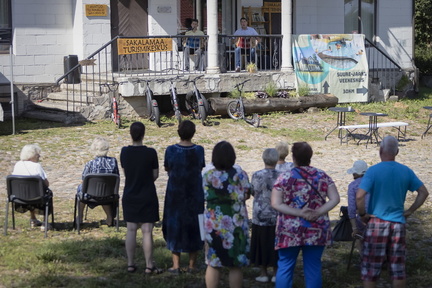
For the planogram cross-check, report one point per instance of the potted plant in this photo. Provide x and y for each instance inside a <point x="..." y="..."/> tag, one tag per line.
<point x="251" y="67"/>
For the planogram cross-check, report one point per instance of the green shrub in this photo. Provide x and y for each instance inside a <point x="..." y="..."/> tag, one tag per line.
<point x="303" y="90"/>
<point x="423" y="60"/>
<point x="271" y="89"/>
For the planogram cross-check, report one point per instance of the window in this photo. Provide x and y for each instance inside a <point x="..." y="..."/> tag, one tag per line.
<point x="360" y="20"/>
<point x="5" y="25"/>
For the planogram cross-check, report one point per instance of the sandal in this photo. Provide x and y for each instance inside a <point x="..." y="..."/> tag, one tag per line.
<point x="153" y="270"/>
<point x="132" y="268"/>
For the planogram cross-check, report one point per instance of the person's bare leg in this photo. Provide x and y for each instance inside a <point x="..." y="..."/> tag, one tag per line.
<point x="108" y="212"/>
<point x="81" y="212"/>
<point x="399" y="283"/>
<point x="130" y="242"/>
<point x="32" y="215"/>
<point x="263" y="270"/>
<point x="235" y="277"/>
<point x="369" y="284"/>
<point x="176" y="260"/>
<point x="147" y="243"/>
<point x="192" y="259"/>
<point x="212" y="277"/>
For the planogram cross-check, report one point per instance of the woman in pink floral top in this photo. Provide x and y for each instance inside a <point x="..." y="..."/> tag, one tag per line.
<point x="303" y="222"/>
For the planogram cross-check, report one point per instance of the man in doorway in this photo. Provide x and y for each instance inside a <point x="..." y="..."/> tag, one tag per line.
<point x="387" y="184"/>
<point x="245" y="44"/>
<point x="195" y="46"/>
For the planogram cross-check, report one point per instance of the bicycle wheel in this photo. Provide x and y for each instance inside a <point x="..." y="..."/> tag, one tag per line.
<point x="156" y="113"/>
<point x="118" y="121"/>
<point x="203" y="114"/>
<point x="149" y="105"/>
<point x="206" y="104"/>
<point x="234" y="110"/>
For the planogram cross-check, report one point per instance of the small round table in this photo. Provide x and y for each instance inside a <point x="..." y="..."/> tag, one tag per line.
<point x="373" y="126"/>
<point x="340" y="120"/>
<point x="429" y="125"/>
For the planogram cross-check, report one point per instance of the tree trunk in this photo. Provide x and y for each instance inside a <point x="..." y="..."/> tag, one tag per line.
<point x="259" y="105"/>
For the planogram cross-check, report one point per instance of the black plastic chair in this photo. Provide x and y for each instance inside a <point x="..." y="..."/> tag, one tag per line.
<point x="27" y="190"/>
<point x="98" y="189"/>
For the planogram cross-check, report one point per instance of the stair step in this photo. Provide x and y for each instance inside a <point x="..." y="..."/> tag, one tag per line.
<point x="59" y="105"/>
<point x="55" y="115"/>
<point x="76" y="97"/>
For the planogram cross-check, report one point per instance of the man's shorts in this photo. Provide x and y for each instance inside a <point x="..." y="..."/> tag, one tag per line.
<point x="384" y="242"/>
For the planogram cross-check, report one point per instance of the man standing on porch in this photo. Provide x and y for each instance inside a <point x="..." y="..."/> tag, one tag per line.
<point x="194" y="45"/>
<point x="245" y="45"/>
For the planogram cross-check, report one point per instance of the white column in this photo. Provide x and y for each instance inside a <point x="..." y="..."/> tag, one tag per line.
<point x="212" y="45"/>
<point x="287" y="36"/>
<point x="198" y="8"/>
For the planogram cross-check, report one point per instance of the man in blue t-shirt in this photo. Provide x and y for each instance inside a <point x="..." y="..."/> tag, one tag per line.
<point x="387" y="184"/>
<point x="195" y="46"/>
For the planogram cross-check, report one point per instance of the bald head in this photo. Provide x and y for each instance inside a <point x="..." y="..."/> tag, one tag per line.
<point x="389" y="148"/>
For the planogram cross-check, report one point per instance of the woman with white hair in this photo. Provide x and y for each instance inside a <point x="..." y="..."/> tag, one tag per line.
<point x="100" y="164"/>
<point x="29" y="166"/>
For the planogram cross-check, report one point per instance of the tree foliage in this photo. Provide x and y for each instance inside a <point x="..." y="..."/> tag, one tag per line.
<point x="423" y="23"/>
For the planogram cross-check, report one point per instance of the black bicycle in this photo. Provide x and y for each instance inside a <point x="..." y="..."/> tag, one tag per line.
<point x="196" y="103"/>
<point x="152" y="105"/>
<point x="173" y="97"/>
<point x="236" y="109"/>
<point x="113" y="89"/>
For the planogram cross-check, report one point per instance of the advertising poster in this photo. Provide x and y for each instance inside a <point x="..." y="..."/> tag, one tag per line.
<point x="332" y="63"/>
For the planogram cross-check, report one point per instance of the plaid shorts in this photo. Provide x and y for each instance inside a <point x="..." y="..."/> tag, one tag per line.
<point x="384" y="242"/>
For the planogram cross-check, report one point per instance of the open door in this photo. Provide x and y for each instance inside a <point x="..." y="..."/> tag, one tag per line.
<point x="129" y="18"/>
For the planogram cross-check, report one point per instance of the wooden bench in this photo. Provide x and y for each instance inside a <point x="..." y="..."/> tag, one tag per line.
<point x="349" y="129"/>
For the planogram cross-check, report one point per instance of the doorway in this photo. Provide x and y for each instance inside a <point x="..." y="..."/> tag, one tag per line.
<point x="129" y="18"/>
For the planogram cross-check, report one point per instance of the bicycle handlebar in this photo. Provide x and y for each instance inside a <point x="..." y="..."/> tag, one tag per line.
<point x="192" y="80"/>
<point x="241" y="84"/>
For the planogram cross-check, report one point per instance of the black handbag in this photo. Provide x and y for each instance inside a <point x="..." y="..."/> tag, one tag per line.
<point x="343" y="229"/>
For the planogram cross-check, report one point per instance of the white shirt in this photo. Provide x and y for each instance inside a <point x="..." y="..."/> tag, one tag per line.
<point x="246" y="32"/>
<point x="29" y="168"/>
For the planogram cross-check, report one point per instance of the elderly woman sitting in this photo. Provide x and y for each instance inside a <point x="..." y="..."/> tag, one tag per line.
<point x="29" y="166"/>
<point x="100" y="164"/>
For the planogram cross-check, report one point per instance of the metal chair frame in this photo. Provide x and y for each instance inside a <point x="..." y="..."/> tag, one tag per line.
<point x="26" y="190"/>
<point x="98" y="189"/>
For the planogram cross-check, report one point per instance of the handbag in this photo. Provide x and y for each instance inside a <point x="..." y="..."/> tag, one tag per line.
<point x="343" y="229"/>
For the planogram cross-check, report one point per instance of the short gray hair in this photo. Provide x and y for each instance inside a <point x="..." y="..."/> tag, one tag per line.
<point x="100" y="147"/>
<point x="282" y="149"/>
<point x="390" y="145"/>
<point x="29" y="151"/>
<point x="270" y="156"/>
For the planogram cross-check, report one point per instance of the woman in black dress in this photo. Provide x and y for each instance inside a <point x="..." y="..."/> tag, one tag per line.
<point x="140" y="202"/>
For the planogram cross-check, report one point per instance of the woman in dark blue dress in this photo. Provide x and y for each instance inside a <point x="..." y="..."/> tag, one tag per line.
<point x="140" y="201"/>
<point x="184" y="198"/>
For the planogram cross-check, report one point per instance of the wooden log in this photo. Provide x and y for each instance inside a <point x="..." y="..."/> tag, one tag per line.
<point x="219" y="105"/>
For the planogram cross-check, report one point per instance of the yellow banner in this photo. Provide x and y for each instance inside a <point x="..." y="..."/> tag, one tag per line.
<point x="272" y="7"/>
<point x="140" y="45"/>
<point x="96" y="10"/>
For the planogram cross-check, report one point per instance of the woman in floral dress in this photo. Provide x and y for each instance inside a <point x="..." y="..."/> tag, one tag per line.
<point x="226" y="188"/>
<point x="303" y="222"/>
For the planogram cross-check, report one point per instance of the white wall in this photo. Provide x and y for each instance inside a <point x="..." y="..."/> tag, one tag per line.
<point x="42" y="36"/>
<point x="47" y="30"/>
<point x="318" y="17"/>
<point x="162" y="17"/>
<point x="395" y="30"/>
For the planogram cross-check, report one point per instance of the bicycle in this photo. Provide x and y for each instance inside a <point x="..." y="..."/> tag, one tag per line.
<point x="236" y="109"/>
<point x="152" y="105"/>
<point x="173" y="97"/>
<point x="196" y="103"/>
<point x="113" y="88"/>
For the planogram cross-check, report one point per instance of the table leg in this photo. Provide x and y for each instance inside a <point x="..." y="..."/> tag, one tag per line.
<point x="340" y="121"/>
<point x="428" y="127"/>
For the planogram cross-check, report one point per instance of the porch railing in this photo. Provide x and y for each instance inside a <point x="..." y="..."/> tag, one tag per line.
<point x="382" y="69"/>
<point x="106" y="66"/>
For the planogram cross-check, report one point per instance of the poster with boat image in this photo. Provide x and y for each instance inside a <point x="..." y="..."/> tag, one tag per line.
<point x="332" y="63"/>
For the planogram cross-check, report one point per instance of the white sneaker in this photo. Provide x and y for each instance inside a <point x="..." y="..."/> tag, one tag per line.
<point x="262" y="279"/>
<point x="42" y="228"/>
<point x="273" y="279"/>
<point x="35" y="223"/>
